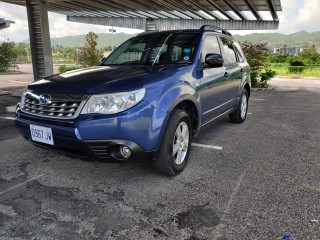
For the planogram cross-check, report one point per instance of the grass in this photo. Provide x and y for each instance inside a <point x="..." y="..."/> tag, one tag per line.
<point x="282" y="70"/>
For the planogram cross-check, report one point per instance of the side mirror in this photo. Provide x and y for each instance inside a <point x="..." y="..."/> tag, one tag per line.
<point x="214" y="60"/>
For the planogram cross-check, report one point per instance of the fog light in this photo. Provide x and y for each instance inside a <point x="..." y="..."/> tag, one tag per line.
<point x="125" y="151"/>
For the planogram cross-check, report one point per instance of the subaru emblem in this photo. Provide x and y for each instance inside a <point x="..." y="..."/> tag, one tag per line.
<point x="45" y="99"/>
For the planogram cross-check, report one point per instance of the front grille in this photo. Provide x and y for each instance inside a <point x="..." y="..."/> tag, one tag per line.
<point x="99" y="149"/>
<point x="46" y="121"/>
<point x="60" y="106"/>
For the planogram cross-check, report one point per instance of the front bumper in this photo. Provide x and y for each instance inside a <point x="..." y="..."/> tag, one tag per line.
<point x="99" y="137"/>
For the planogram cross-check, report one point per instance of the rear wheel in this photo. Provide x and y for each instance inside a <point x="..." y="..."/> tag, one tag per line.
<point x="175" y="146"/>
<point x="240" y="115"/>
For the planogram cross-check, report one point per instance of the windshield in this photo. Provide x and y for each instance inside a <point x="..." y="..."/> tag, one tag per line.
<point x="158" y="49"/>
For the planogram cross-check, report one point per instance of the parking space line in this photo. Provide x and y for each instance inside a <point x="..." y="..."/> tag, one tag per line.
<point x="227" y="208"/>
<point x="21" y="184"/>
<point x="249" y="113"/>
<point x="206" y="146"/>
<point x="8" y="118"/>
<point x="257" y="99"/>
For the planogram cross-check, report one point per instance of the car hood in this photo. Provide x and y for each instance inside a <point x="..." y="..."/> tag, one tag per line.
<point x="101" y="79"/>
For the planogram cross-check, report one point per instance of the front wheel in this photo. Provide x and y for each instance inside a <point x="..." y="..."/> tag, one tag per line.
<point x="175" y="146"/>
<point x="240" y="115"/>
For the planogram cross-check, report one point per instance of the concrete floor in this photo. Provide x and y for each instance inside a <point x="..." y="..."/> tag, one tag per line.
<point x="262" y="184"/>
<point x="11" y="81"/>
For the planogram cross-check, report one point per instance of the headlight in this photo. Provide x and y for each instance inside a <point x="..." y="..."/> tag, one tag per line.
<point x="113" y="102"/>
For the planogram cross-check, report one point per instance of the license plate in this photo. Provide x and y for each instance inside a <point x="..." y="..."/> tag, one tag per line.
<point x="41" y="134"/>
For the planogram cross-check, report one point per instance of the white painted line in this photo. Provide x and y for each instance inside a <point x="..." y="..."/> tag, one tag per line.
<point x="8" y="118"/>
<point x="11" y="109"/>
<point x="314" y="220"/>
<point x="20" y="184"/>
<point x="17" y="81"/>
<point x="257" y="99"/>
<point x="249" y="113"/>
<point x="206" y="146"/>
<point x="227" y="209"/>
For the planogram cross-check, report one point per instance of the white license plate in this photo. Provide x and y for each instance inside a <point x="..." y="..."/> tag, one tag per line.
<point x="41" y="134"/>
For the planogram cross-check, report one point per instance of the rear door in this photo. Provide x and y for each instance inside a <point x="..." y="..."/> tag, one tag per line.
<point x="233" y="71"/>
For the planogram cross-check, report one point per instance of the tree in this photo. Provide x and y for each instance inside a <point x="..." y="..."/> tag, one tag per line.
<point x="257" y="56"/>
<point x="8" y="56"/>
<point x="90" y="55"/>
<point x="107" y="49"/>
<point x="310" y="56"/>
<point x="23" y="52"/>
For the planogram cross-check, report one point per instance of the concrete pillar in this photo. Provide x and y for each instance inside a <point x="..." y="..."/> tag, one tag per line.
<point x="40" y="42"/>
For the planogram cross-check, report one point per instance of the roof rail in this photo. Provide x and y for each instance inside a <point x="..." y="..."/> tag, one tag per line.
<point x="224" y="31"/>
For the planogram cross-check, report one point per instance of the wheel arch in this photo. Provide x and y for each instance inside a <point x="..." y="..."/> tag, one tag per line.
<point x="247" y="87"/>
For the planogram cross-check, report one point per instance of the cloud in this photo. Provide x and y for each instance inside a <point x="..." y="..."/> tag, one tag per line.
<point x="59" y="26"/>
<point x="18" y="31"/>
<point x="297" y="15"/>
<point x="308" y="16"/>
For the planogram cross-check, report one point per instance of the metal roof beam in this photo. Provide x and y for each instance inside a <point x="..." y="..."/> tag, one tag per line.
<point x="132" y="7"/>
<point x="175" y="5"/>
<point x="171" y="24"/>
<point x="201" y="8"/>
<point x="272" y="10"/>
<point x="102" y="9"/>
<point x="242" y="16"/>
<point x="137" y="23"/>
<point x="222" y="11"/>
<point x="253" y="10"/>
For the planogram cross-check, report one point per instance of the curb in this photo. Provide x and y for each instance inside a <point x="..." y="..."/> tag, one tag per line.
<point x="4" y="92"/>
<point x="11" y="109"/>
<point x="292" y="77"/>
<point x="9" y="73"/>
<point x="262" y="89"/>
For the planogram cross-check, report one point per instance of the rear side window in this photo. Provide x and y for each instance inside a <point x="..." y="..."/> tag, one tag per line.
<point x="210" y="45"/>
<point x="229" y="52"/>
<point x="239" y="52"/>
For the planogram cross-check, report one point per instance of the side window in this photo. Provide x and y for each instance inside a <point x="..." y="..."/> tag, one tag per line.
<point x="239" y="52"/>
<point x="229" y="53"/>
<point x="210" y="45"/>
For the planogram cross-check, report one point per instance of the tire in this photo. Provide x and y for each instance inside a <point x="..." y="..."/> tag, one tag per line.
<point x="240" y="115"/>
<point x="177" y="135"/>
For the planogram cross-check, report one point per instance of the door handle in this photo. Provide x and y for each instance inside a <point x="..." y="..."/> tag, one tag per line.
<point x="226" y="74"/>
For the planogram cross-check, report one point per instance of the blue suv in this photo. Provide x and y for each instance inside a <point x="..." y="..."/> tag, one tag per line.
<point x="146" y="100"/>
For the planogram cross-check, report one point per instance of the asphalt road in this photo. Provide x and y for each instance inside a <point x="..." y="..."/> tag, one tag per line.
<point x="262" y="184"/>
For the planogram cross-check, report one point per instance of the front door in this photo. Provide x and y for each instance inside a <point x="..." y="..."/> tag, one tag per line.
<point x="217" y="85"/>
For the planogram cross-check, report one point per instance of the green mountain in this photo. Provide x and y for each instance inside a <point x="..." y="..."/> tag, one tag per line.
<point x="104" y="40"/>
<point x="299" y="39"/>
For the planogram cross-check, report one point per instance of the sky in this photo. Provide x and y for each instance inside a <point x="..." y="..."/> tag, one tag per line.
<point x="296" y="15"/>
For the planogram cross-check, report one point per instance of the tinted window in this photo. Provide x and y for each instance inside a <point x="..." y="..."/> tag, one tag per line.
<point x="210" y="45"/>
<point x="239" y="52"/>
<point x="229" y="53"/>
<point x="167" y="48"/>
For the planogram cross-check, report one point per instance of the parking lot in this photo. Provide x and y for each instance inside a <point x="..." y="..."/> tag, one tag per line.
<point x="257" y="180"/>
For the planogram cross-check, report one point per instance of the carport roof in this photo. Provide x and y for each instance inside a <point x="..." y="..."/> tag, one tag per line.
<point x="5" y="23"/>
<point x="183" y="9"/>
